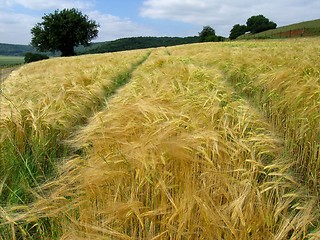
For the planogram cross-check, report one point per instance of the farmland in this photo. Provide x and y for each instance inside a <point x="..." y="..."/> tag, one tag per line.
<point x="10" y="61"/>
<point x="201" y="141"/>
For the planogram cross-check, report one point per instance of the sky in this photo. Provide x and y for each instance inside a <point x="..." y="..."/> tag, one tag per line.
<point x="132" y="18"/>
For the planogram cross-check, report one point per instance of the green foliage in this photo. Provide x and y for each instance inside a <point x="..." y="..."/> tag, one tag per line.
<point x="27" y="162"/>
<point x="259" y="23"/>
<point x="62" y="31"/>
<point x="208" y="34"/>
<point x="14" y="49"/>
<point x="237" y="31"/>
<point x="33" y="57"/>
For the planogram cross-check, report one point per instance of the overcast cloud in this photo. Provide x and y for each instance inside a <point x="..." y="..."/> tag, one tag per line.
<point x="222" y="15"/>
<point x="15" y="27"/>
<point x="125" y="18"/>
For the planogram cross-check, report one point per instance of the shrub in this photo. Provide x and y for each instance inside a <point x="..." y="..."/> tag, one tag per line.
<point x="33" y="57"/>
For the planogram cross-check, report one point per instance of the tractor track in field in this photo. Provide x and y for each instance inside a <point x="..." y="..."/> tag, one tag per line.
<point x="119" y="81"/>
<point x="5" y="72"/>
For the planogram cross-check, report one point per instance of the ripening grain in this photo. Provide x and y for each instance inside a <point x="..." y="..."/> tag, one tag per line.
<point x="41" y="105"/>
<point x="62" y="90"/>
<point x="177" y="154"/>
<point x="282" y="79"/>
<point x="206" y="141"/>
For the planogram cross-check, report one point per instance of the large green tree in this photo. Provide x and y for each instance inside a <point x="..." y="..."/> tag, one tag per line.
<point x="62" y="31"/>
<point x="207" y="34"/>
<point x="259" y="23"/>
<point x="237" y="31"/>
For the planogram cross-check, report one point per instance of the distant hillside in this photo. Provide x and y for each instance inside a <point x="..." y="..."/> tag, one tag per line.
<point x="14" y="49"/>
<point x="109" y="46"/>
<point x="19" y="50"/>
<point x="124" y="44"/>
<point x="302" y="29"/>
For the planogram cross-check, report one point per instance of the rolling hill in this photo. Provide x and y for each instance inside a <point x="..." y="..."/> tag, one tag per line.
<point x="14" y="49"/>
<point x="302" y="29"/>
<point x="124" y="44"/>
<point x="108" y="46"/>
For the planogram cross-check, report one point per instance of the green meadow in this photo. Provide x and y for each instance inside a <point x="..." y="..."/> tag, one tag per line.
<point x="10" y="60"/>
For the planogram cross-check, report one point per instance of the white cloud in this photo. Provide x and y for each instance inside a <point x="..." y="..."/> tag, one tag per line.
<point x="113" y="27"/>
<point x="222" y="15"/>
<point x="15" y="28"/>
<point x="44" y="4"/>
<point x="190" y="11"/>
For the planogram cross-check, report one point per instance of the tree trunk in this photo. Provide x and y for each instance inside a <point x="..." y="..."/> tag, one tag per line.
<point x="67" y="51"/>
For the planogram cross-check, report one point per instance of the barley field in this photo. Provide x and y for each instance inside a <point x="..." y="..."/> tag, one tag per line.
<point x="201" y="141"/>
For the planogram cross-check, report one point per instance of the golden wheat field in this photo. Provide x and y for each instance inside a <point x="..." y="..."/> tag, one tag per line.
<point x="200" y="141"/>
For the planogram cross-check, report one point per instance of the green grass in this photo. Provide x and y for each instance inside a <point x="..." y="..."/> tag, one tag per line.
<point x="311" y="28"/>
<point x="10" y="60"/>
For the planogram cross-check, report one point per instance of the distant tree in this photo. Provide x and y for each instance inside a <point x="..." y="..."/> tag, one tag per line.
<point x="207" y="34"/>
<point x="62" y="31"/>
<point x="237" y="31"/>
<point x="259" y="23"/>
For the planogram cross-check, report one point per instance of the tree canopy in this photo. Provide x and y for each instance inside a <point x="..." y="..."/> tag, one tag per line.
<point x="259" y="23"/>
<point x="208" y="34"/>
<point x="255" y="24"/>
<point x="62" y="31"/>
<point x="237" y="31"/>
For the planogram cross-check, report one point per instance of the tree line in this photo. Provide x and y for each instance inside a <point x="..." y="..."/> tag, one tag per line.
<point x="255" y="24"/>
<point x="131" y="43"/>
